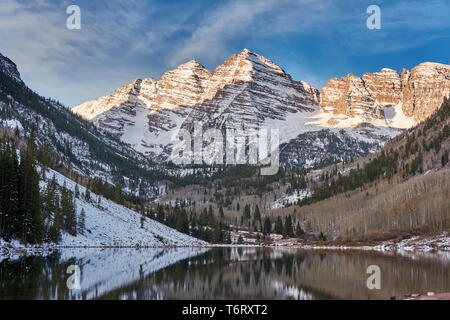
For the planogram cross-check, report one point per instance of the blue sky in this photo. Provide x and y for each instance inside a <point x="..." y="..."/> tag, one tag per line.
<point x="119" y="41"/>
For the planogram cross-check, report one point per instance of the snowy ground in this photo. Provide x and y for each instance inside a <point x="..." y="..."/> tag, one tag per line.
<point x="424" y="244"/>
<point x="290" y="199"/>
<point x="111" y="225"/>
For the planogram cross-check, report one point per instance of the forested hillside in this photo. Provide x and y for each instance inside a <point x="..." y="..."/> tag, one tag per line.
<point x="403" y="189"/>
<point x="41" y="206"/>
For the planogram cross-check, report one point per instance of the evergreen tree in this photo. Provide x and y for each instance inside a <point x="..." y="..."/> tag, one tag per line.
<point x="87" y="195"/>
<point x="217" y="233"/>
<point x="160" y="213"/>
<point x="142" y="216"/>
<point x="77" y="191"/>
<point x="117" y="194"/>
<point x="288" y="229"/>
<point x="322" y="237"/>
<point x="9" y="190"/>
<point x="68" y="212"/>
<point x="246" y="216"/>
<point x="267" y="225"/>
<point x="31" y="224"/>
<point x="279" y="226"/>
<point x="221" y="214"/>
<point x="257" y="218"/>
<point x="82" y="221"/>
<point x="298" y="230"/>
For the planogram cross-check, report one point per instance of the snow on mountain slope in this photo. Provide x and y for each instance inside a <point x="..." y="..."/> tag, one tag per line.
<point x="110" y="224"/>
<point x="247" y="91"/>
<point x="75" y="143"/>
<point x="9" y="68"/>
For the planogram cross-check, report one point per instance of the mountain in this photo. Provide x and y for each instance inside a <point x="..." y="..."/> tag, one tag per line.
<point x="9" y="68"/>
<point x="399" y="100"/>
<point x="327" y="146"/>
<point x="363" y="113"/>
<point x="248" y="91"/>
<point x="72" y="143"/>
<point x="395" y="193"/>
<point x="399" y="191"/>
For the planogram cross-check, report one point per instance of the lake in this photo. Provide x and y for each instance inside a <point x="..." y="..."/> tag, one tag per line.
<point x="220" y="273"/>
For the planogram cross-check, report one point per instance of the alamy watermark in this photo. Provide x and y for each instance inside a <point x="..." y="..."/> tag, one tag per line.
<point x="74" y="20"/>
<point x="374" y="280"/>
<point x="74" y="281"/>
<point x="374" y="20"/>
<point x="249" y="146"/>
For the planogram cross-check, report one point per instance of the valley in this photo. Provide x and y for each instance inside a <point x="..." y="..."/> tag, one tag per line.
<point x="215" y="156"/>
<point x="350" y="169"/>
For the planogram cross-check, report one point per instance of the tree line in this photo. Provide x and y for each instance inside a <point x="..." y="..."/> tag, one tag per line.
<point x="204" y="225"/>
<point x="26" y="214"/>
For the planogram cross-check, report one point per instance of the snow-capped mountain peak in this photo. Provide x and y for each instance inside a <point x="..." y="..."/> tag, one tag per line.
<point x="246" y="91"/>
<point x="249" y="91"/>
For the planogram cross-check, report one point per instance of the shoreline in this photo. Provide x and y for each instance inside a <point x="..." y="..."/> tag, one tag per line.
<point x="439" y="244"/>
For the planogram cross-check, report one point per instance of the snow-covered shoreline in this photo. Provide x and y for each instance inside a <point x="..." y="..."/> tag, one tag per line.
<point x="425" y="243"/>
<point x="421" y="244"/>
<point x="107" y="225"/>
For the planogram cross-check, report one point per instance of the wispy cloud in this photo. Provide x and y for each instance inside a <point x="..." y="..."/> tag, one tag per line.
<point x="253" y="19"/>
<point x="64" y="63"/>
<point x="122" y="40"/>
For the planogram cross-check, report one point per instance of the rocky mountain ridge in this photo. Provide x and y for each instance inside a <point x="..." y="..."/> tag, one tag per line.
<point x="70" y="142"/>
<point x="247" y="91"/>
<point x="8" y="67"/>
<point x="414" y="95"/>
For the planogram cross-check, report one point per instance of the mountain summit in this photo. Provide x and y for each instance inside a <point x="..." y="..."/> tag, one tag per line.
<point x="249" y="91"/>
<point x="8" y="67"/>
<point x="246" y="91"/>
<point x="409" y="98"/>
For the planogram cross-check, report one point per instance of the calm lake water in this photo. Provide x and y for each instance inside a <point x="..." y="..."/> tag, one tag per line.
<point x="220" y="273"/>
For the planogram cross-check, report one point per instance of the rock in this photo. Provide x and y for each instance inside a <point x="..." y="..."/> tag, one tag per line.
<point x="246" y="91"/>
<point x="249" y="91"/>
<point x="8" y="67"/>
<point x="424" y="88"/>
<point x="419" y="92"/>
